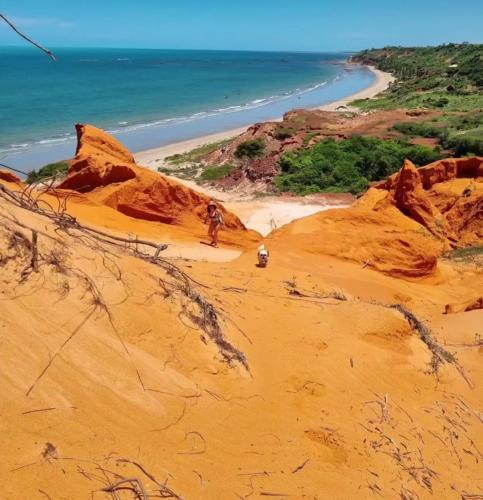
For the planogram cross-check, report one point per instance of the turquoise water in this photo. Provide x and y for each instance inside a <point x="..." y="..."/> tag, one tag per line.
<point x="152" y="97"/>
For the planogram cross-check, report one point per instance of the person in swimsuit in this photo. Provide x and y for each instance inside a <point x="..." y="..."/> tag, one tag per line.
<point x="215" y="218"/>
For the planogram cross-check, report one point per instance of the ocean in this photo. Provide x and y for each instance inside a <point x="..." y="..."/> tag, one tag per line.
<point x="149" y="98"/>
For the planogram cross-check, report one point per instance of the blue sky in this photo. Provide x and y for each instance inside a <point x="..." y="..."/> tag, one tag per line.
<point x="313" y="25"/>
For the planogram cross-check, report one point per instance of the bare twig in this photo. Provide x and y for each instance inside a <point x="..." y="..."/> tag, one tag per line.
<point x="163" y="489"/>
<point x="300" y="467"/>
<point x="194" y="452"/>
<point x="66" y="341"/>
<point x="138" y="488"/>
<point x="46" y="495"/>
<point x="29" y="40"/>
<point x="39" y="410"/>
<point x="35" y="252"/>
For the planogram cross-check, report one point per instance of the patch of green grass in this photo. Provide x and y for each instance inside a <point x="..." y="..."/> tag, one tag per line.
<point x="217" y="173"/>
<point x="198" y="154"/>
<point x="60" y="168"/>
<point x="462" y="133"/>
<point x="421" y="100"/>
<point x="468" y="254"/>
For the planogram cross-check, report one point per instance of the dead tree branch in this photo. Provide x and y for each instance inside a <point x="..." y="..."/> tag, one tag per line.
<point x="66" y="341"/>
<point x="136" y="486"/>
<point x="206" y="317"/>
<point x="440" y="355"/>
<point x="29" y="40"/>
<point x="164" y="491"/>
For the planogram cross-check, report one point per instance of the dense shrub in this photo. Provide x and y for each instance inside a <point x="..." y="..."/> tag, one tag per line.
<point x="348" y="165"/>
<point x="283" y="133"/>
<point x="465" y="145"/>
<point x="419" y="129"/>
<point x="250" y="149"/>
<point x="49" y="170"/>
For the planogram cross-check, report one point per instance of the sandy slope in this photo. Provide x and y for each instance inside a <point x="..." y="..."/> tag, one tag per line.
<point x="101" y="359"/>
<point x="224" y="380"/>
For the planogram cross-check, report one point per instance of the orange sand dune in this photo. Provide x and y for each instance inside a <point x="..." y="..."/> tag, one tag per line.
<point x="387" y="242"/>
<point x="101" y="362"/>
<point x="115" y="367"/>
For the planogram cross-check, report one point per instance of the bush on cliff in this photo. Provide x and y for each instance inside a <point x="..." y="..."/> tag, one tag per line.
<point x="348" y="165"/>
<point x="250" y="149"/>
<point x="283" y="133"/>
<point x="49" y="170"/>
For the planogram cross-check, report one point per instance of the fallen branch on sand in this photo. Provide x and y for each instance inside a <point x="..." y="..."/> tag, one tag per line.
<point x="135" y="485"/>
<point x="58" y="351"/>
<point x="206" y="315"/>
<point x="440" y="355"/>
<point x="164" y="491"/>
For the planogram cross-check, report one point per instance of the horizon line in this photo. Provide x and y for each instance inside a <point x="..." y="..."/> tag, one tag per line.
<point x="291" y="51"/>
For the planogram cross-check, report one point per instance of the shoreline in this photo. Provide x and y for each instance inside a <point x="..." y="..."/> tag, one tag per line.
<point x="155" y="157"/>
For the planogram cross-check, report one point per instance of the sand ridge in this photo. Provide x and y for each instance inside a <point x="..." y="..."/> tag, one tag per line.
<point x="338" y="400"/>
<point x="196" y="379"/>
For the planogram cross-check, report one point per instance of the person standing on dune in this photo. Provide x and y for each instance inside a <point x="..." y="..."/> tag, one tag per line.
<point x="215" y="218"/>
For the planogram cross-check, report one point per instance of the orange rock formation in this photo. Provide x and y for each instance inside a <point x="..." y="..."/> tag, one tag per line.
<point x="446" y="197"/>
<point x="386" y="242"/>
<point x="401" y="226"/>
<point x="106" y="172"/>
<point x="7" y="176"/>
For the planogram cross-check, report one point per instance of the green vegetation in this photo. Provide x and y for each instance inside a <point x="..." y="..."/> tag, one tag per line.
<point x="348" y="165"/>
<point x="49" y="170"/>
<point x="448" y="77"/>
<point x="469" y="254"/>
<point x="309" y="136"/>
<point x="217" y="173"/>
<point x="198" y="154"/>
<point x="250" y="149"/>
<point x="283" y="133"/>
<point x="461" y="133"/>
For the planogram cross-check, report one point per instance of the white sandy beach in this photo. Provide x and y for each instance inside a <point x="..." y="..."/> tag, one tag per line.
<point x="154" y="158"/>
